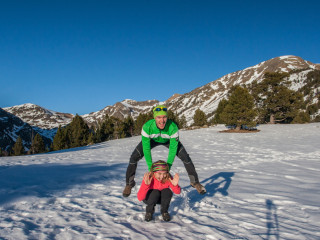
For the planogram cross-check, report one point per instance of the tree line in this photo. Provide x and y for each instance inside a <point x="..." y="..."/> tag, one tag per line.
<point x="78" y="133"/>
<point x="37" y="146"/>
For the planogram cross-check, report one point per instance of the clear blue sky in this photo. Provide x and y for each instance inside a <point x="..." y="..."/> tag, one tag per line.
<point x="80" y="56"/>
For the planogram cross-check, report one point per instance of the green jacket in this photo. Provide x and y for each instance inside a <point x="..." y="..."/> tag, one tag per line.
<point x="169" y="133"/>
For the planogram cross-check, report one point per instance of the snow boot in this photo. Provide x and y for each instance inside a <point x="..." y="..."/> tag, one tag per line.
<point x="201" y="189"/>
<point x="148" y="217"/>
<point x="127" y="190"/>
<point x="166" y="216"/>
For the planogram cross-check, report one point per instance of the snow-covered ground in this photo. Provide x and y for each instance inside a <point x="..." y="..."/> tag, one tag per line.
<point x="259" y="186"/>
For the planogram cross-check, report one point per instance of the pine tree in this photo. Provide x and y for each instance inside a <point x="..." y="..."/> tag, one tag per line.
<point x="239" y="109"/>
<point x="51" y="147"/>
<point x="128" y="127"/>
<point x="172" y="116"/>
<point x="141" y="120"/>
<point x="118" y="128"/>
<point x="199" y="118"/>
<point x="182" y="122"/>
<point x="58" y="140"/>
<point x="302" y="117"/>
<point x="278" y="103"/>
<point x="256" y="91"/>
<point x="37" y="145"/>
<point x="106" y="129"/>
<point x="66" y="137"/>
<point x="98" y="135"/>
<point x="91" y="139"/>
<point x="312" y="109"/>
<point x="222" y="104"/>
<point x="78" y="132"/>
<point x="18" y="148"/>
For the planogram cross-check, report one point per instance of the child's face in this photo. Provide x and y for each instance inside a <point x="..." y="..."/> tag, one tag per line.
<point x="160" y="175"/>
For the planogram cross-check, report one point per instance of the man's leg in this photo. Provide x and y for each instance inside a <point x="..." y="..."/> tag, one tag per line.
<point x="136" y="155"/>
<point x="188" y="164"/>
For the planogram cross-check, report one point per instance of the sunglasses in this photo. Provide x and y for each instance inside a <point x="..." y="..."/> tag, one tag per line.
<point x="160" y="109"/>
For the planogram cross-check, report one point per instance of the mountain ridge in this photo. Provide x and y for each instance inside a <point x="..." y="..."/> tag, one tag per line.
<point x="206" y="97"/>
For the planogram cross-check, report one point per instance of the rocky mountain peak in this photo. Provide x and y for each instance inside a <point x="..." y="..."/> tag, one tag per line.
<point x="121" y="110"/>
<point x="208" y="96"/>
<point x="40" y="117"/>
<point x="173" y="97"/>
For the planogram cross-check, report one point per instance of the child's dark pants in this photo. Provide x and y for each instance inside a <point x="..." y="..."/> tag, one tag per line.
<point x="155" y="196"/>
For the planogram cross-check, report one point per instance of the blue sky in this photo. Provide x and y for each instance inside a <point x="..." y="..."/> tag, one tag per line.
<point x="80" y="56"/>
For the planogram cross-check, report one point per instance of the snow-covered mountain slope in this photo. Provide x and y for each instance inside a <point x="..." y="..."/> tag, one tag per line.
<point x="208" y="96"/>
<point x="11" y="127"/>
<point x="259" y="186"/>
<point x="40" y="117"/>
<point x="121" y="110"/>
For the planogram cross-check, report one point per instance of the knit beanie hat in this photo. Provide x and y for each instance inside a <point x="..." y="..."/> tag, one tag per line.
<point x="159" y="111"/>
<point x="160" y="166"/>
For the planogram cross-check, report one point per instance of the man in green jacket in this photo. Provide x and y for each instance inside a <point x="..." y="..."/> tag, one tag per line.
<point x="155" y="132"/>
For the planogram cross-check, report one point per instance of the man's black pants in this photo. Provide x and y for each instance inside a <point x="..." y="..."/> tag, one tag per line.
<point x="137" y="154"/>
<point x="155" y="196"/>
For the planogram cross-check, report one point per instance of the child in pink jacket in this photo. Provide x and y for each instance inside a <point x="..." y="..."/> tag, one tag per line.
<point x="156" y="188"/>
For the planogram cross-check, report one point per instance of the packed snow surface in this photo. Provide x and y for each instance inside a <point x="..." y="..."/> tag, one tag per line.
<point x="261" y="185"/>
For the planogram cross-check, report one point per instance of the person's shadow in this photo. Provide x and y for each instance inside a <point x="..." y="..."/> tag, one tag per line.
<point x="272" y="220"/>
<point x="217" y="183"/>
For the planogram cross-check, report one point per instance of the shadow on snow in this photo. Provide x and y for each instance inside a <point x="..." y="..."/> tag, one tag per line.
<point x="212" y="186"/>
<point x="43" y="180"/>
<point x="272" y="223"/>
<point x="217" y="183"/>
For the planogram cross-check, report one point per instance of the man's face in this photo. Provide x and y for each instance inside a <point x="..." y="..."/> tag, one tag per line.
<point x="161" y="121"/>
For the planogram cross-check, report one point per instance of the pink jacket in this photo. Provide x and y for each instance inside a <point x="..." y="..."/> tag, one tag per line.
<point x="155" y="184"/>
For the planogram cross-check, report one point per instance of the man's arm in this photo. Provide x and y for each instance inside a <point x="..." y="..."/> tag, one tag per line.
<point x="174" y="140"/>
<point x="146" y="149"/>
<point x="172" y="151"/>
